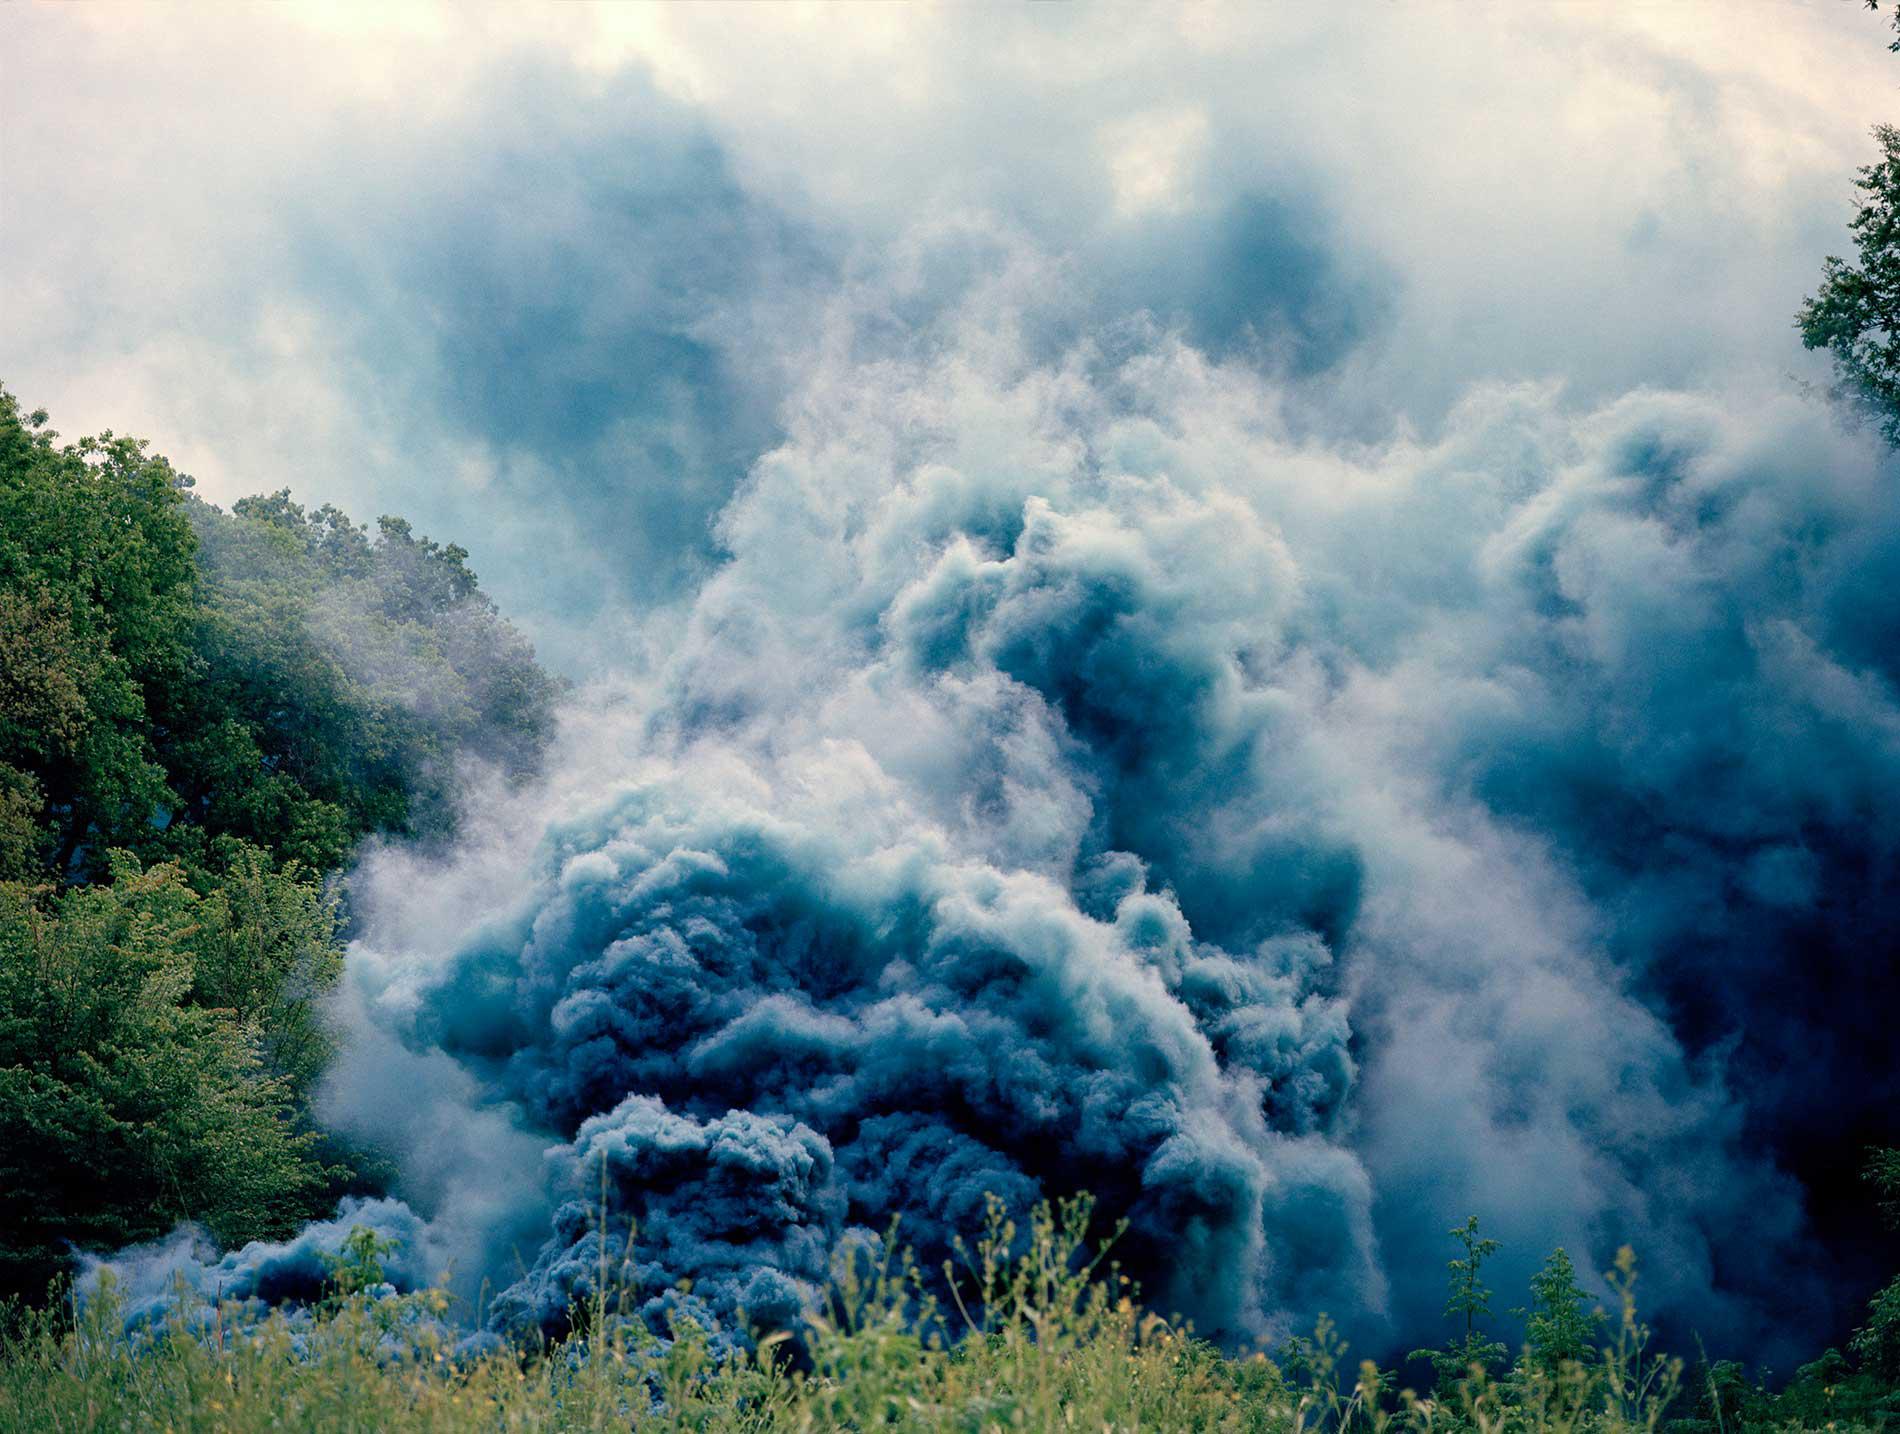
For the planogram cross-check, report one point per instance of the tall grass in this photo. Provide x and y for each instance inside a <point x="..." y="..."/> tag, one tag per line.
<point x="1025" y="1330"/>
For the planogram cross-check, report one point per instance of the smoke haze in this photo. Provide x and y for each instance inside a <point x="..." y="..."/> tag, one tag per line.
<point x="1309" y="678"/>
<point x="1069" y="779"/>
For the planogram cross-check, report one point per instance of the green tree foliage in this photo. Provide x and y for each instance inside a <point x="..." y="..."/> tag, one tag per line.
<point x="265" y="950"/>
<point x="1875" y="5"/>
<point x="201" y="713"/>
<point x="96" y="578"/>
<point x="126" y="1106"/>
<point x="1877" y="1343"/>
<point x="1560" y="1327"/>
<point x="1855" y="315"/>
<point x="1720" y="1398"/>
<point x="368" y="668"/>
<point x="1858" y="1389"/>
<point x="1883" y="1173"/>
<point x="1468" y="1301"/>
<point x="171" y="674"/>
<point x="358" y="1266"/>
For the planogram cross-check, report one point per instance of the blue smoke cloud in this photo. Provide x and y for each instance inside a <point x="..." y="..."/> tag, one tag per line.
<point x="915" y="1029"/>
<point x="554" y="310"/>
<point x="736" y="1218"/>
<point x="1072" y="777"/>
<point x="599" y="350"/>
<point x="1070" y="768"/>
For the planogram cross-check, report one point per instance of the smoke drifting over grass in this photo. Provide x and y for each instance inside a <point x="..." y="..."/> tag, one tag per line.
<point x="263" y="1274"/>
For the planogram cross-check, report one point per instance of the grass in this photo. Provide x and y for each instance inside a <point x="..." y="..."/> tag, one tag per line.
<point x="1039" y="1333"/>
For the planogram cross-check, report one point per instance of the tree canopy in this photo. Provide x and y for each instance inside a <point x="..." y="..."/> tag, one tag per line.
<point x="1855" y="314"/>
<point x="201" y="713"/>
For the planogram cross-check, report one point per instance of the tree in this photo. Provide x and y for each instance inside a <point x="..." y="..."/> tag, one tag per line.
<point x="1558" y="1328"/>
<point x="201" y="714"/>
<point x="1468" y="1301"/>
<point x="1855" y="315"/>
<point x="369" y="668"/>
<point x="96" y="575"/>
<point x="1874" y="5"/>
<point x="1877" y="1343"/>
<point x="1883" y="1173"/>
<point x="265" y="950"/>
<point x="357" y="1268"/>
<point x="172" y="675"/>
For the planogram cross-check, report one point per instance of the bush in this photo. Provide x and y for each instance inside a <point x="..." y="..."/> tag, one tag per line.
<point x="126" y="1106"/>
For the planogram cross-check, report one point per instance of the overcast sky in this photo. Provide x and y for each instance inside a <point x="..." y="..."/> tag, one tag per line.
<point x="542" y="278"/>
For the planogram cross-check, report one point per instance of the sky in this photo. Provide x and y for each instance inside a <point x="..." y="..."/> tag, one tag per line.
<point x="542" y="279"/>
<point x="1250" y="607"/>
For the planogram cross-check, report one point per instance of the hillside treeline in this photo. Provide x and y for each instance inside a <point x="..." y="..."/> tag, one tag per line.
<point x="202" y="713"/>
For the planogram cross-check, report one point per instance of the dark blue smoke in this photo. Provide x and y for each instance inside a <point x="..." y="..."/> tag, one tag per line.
<point x="735" y="1217"/>
<point x="820" y="1037"/>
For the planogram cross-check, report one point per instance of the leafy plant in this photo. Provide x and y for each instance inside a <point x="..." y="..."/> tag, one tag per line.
<point x="1469" y="1300"/>
<point x="1855" y="314"/>
<point x="1559" y="1328"/>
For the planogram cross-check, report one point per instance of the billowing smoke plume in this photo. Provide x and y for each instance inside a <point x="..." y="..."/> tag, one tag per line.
<point x="262" y="1274"/>
<point x="1072" y="779"/>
